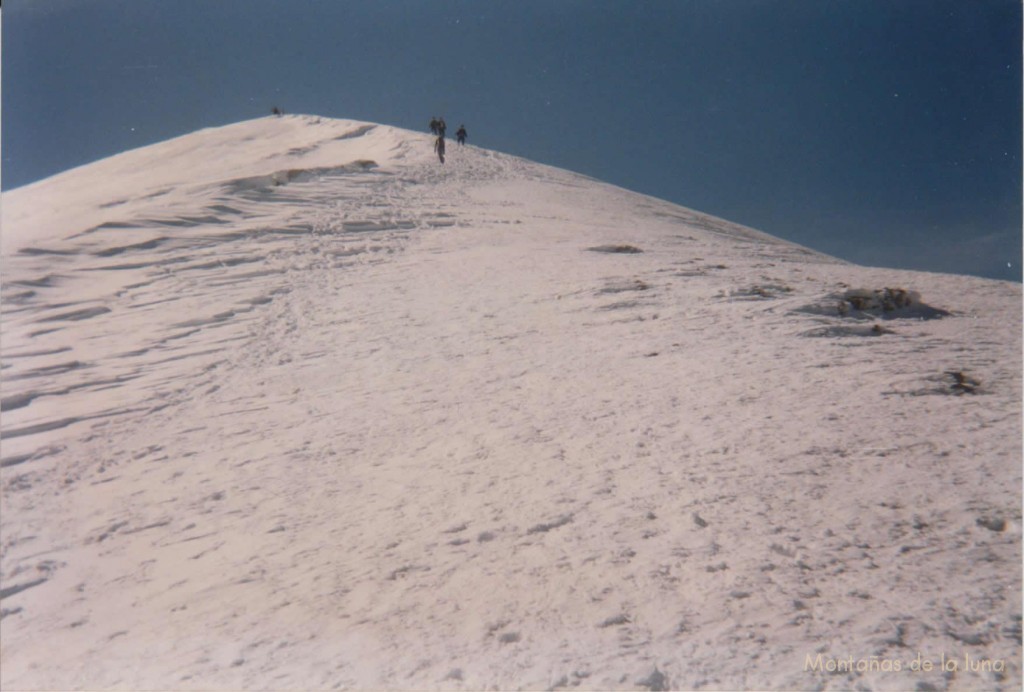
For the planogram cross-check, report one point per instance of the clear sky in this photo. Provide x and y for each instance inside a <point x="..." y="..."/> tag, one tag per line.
<point x="886" y="132"/>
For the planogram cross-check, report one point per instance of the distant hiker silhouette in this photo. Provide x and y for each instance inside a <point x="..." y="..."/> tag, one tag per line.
<point x="434" y="124"/>
<point x="276" y="111"/>
<point x="441" y="127"/>
<point x="439" y="147"/>
<point x="460" y="134"/>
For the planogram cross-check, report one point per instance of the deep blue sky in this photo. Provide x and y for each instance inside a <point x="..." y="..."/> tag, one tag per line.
<point x="886" y="132"/>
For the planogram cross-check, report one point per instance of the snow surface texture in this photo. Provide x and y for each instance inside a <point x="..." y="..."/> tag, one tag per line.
<point x="288" y="404"/>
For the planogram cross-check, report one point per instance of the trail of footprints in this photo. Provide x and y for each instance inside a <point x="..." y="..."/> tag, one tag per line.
<point x="115" y="287"/>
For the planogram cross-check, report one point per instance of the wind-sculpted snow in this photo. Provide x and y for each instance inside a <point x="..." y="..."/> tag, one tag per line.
<point x="290" y="405"/>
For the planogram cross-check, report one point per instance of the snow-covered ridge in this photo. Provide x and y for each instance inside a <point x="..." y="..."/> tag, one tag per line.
<point x="166" y="173"/>
<point x="289" y="404"/>
<point x="255" y="153"/>
<point x="155" y="229"/>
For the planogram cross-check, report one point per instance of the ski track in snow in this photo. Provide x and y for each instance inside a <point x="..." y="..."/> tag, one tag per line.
<point x="387" y="423"/>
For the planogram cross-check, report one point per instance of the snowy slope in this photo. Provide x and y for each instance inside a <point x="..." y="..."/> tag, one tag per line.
<point x="287" y="404"/>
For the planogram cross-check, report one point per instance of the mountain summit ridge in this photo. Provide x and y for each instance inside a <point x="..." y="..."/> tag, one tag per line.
<point x="271" y="150"/>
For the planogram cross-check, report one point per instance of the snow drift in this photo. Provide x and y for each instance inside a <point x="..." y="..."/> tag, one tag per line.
<point x="288" y="404"/>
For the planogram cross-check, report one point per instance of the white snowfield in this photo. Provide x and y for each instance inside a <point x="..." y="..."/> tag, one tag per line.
<point x="288" y="404"/>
